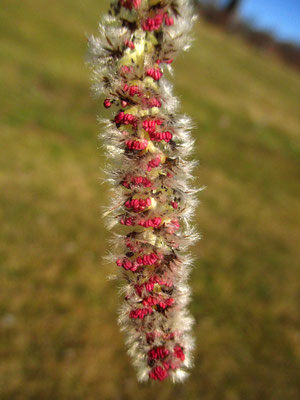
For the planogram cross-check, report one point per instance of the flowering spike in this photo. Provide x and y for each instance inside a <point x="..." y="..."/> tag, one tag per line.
<point x="148" y="144"/>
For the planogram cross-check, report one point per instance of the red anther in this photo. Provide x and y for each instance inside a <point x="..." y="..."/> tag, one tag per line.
<point x="153" y="102"/>
<point x="140" y="313"/>
<point x="119" y="117"/>
<point x="129" y="44"/>
<point x="153" y="163"/>
<point x="146" y="182"/>
<point x="166" y="365"/>
<point x="124" y="103"/>
<point x="136" y="144"/>
<point x="147" y="259"/>
<point x="129" y="4"/>
<point x="127" y="221"/>
<point x="150" y="336"/>
<point x="168" y="20"/>
<point x="107" y="103"/>
<point x="150" y="25"/>
<point x="155" y="222"/>
<point x="176" y="224"/>
<point x="150" y="301"/>
<point x="138" y="204"/>
<point x="134" y="266"/>
<point x="167" y="136"/>
<point x="169" y="175"/>
<point x="158" y="373"/>
<point x="125" y="119"/>
<point x="132" y="90"/>
<point x="150" y="124"/>
<point x="136" y="3"/>
<point x="169" y="302"/>
<point x="174" y="204"/>
<point x="138" y="289"/>
<point x="149" y="286"/>
<point x="158" y="353"/>
<point x="178" y="352"/>
<point x="125" y="69"/>
<point x="127" y="264"/>
<point x="154" y="73"/>
<point x="172" y="227"/>
<point x="169" y="336"/>
<point x="137" y="180"/>
<point x="159" y="136"/>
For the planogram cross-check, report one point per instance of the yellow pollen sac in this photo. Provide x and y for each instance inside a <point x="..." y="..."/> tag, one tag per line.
<point x="162" y="158"/>
<point x="144" y="113"/>
<point x="154" y="110"/>
<point x="151" y="148"/>
<point x="149" y="236"/>
<point x="150" y="83"/>
<point x="132" y="110"/>
<point x="156" y="288"/>
<point x="153" y="203"/>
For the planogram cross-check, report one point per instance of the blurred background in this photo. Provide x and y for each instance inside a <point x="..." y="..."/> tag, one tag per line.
<point x="240" y="83"/>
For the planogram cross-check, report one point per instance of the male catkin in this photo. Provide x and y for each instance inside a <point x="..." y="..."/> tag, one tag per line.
<point x="148" y="145"/>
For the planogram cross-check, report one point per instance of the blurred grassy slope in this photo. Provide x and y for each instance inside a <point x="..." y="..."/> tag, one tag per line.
<point x="59" y="337"/>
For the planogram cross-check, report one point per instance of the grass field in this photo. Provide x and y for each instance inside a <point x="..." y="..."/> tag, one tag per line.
<point x="59" y="335"/>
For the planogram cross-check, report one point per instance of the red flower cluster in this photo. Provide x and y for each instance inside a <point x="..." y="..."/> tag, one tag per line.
<point x="127" y="221"/>
<point x="154" y="223"/>
<point x="154" y="301"/>
<point x="179" y="353"/>
<point x="149" y="285"/>
<point x="133" y="181"/>
<point x="127" y="264"/>
<point x="157" y="353"/>
<point x="125" y="119"/>
<point x="158" y="373"/>
<point x="150" y="124"/>
<point x="154" y="73"/>
<point x="159" y="136"/>
<point x="147" y="259"/>
<point x="138" y="205"/>
<point x="130" y="44"/>
<point x="153" y="163"/>
<point x="136" y="144"/>
<point x="155" y="23"/>
<point x="107" y="103"/>
<point x="140" y="313"/>
<point x="132" y="90"/>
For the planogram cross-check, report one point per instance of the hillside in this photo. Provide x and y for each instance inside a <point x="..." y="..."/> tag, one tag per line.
<point x="59" y="335"/>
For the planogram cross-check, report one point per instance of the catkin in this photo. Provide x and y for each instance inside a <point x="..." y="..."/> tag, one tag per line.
<point x="152" y="202"/>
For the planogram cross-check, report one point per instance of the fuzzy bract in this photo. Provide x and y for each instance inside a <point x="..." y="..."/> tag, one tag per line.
<point x="152" y="202"/>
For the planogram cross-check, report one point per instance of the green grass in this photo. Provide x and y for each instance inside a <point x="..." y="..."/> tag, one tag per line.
<point x="59" y="336"/>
